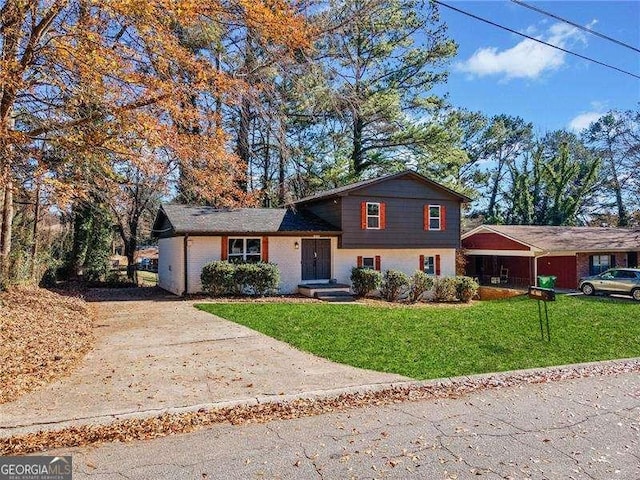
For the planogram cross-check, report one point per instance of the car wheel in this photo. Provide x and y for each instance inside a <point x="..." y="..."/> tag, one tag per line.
<point x="587" y="289"/>
<point x="635" y="293"/>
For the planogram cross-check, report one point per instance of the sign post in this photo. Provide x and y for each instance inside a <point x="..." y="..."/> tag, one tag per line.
<point x="543" y="295"/>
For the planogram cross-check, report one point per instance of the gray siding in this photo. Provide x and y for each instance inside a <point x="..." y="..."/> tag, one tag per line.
<point x="404" y="188"/>
<point x="405" y="200"/>
<point x="328" y="210"/>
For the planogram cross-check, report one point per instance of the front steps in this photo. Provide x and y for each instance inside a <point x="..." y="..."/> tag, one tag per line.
<point x="327" y="292"/>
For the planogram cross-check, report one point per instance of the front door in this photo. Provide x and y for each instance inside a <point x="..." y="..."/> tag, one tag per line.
<point x="316" y="259"/>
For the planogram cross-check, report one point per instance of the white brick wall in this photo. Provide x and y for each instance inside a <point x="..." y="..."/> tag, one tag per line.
<point x="171" y="264"/>
<point x="282" y="252"/>
<point x="405" y="260"/>
<point x="202" y="250"/>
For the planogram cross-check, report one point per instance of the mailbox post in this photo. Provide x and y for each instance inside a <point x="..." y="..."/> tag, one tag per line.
<point x="543" y="295"/>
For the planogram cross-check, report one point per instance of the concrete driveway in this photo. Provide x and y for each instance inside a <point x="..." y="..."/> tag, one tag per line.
<point x="159" y="353"/>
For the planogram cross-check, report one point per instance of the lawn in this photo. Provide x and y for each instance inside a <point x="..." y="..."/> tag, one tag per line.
<point x="443" y="341"/>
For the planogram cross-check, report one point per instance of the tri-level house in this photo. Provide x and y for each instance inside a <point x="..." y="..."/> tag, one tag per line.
<point x="403" y="221"/>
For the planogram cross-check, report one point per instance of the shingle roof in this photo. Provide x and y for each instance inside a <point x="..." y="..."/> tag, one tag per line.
<point x="207" y="220"/>
<point x="363" y="183"/>
<point x="582" y="239"/>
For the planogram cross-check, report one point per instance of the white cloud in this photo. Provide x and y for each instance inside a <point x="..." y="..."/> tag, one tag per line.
<point x="583" y="120"/>
<point x="527" y="59"/>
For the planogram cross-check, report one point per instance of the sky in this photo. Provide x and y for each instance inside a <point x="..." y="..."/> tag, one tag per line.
<point x="497" y="72"/>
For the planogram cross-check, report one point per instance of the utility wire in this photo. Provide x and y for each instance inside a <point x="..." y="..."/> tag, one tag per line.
<point x="581" y="27"/>
<point x="536" y="39"/>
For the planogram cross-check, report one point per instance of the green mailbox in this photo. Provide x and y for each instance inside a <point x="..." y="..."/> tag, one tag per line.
<point x="547" y="281"/>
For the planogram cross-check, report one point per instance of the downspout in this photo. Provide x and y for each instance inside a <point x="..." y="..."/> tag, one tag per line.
<point x="535" y="266"/>
<point x="186" y="264"/>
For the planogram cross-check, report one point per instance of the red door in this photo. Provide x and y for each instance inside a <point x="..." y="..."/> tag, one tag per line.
<point x="562" y="267"/>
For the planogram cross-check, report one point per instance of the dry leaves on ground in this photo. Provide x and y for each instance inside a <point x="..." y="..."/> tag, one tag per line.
<point x="42" y="336"/>
<point x="174" y="423"/>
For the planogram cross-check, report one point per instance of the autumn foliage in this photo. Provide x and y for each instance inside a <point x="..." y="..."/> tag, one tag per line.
<point x="87" y="85"/>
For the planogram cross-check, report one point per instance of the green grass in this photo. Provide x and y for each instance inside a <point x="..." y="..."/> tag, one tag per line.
<point x="444" y="341"/>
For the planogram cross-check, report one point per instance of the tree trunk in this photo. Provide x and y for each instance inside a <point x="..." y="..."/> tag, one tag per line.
<point x="357" y="154"/>
<point x="266" y="199"/>
<point x="623" y="218"/>
<point x="282" y="165"/>
<point x="242" y="148"/>
<point x="491" y="208"/>
<point x="6" y="230"/>
<point x="130" y="247"/>
<point x="34" y="244"/>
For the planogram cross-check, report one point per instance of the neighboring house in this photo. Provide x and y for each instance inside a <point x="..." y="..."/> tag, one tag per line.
<point x="403" y="221"/>
<point x="147" y="258"/>
<point x="516" y="254"/>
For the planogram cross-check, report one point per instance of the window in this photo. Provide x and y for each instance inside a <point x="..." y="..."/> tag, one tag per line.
<point x="624" y="274"/>
<point x="369" y="262"/>
<point x="435" y="217"/>
<point x="429" y="265"/>
<point x="373" y="215"/>
<point x="599" y="264"/>
<point x="244" y="250"/>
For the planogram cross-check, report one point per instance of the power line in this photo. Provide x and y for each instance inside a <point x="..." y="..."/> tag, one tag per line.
<point x="581" y="27"/>
<point x="536" y="39"/>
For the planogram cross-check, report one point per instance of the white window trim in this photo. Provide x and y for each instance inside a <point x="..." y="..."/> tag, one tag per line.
<point x="367" y="216"/>
<point x="439" y="217"/>
<point x="426" y="262"/>
<point x="244" y="248"/>
<point x="373" y="263"/>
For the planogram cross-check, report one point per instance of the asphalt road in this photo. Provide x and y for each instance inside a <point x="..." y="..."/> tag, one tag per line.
<point x="586" y="428"/>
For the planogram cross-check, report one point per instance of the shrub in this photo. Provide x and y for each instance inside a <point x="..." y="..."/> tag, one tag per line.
<point x="264" y="278"/>
<point x="364" y="281"/>
<point x="218" y="278"/>
<point x="444" y="289"/>
<point x="394" y="285"/>
<point x="421" y="283"/>
<point x="256" y="278"/>
<point x="466" y="288"/>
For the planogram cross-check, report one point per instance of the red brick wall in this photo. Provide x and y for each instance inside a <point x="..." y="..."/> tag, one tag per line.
<point x="583" y="261"/>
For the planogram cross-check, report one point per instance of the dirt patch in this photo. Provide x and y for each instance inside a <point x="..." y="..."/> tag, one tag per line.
<point x="496" y="293"/>
<point x="295" y="298"/>
<point x="375" y="302"/>
<point x="42" y="336"/>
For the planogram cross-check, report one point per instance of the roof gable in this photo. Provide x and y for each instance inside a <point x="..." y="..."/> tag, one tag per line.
<point x="353" y="187"/>
<point x="568" y="239"/>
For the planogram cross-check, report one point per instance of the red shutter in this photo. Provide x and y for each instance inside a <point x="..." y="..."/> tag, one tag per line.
<point x="378" y="262"/>
<point x="363" y="215"/>
<point x="359" y="264"/>
<point x="265" y="249"/>
<point x="425" y="217"/>
<point x="383" y="216"/>
<point x="224" y="248"/>
<point x="437" y="264"/>
<point x="443" y="218"/>
<point x="422" y="263"/>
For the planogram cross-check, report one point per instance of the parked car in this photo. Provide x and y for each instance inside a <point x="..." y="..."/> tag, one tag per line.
<point x="615" y="280"/>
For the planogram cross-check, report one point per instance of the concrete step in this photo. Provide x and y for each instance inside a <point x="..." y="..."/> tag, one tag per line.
<point x="323" y="289"/>
<point x="335" y="297"/>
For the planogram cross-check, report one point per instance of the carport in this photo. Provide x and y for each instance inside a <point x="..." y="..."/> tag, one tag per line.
<point x="514" y="255"/>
